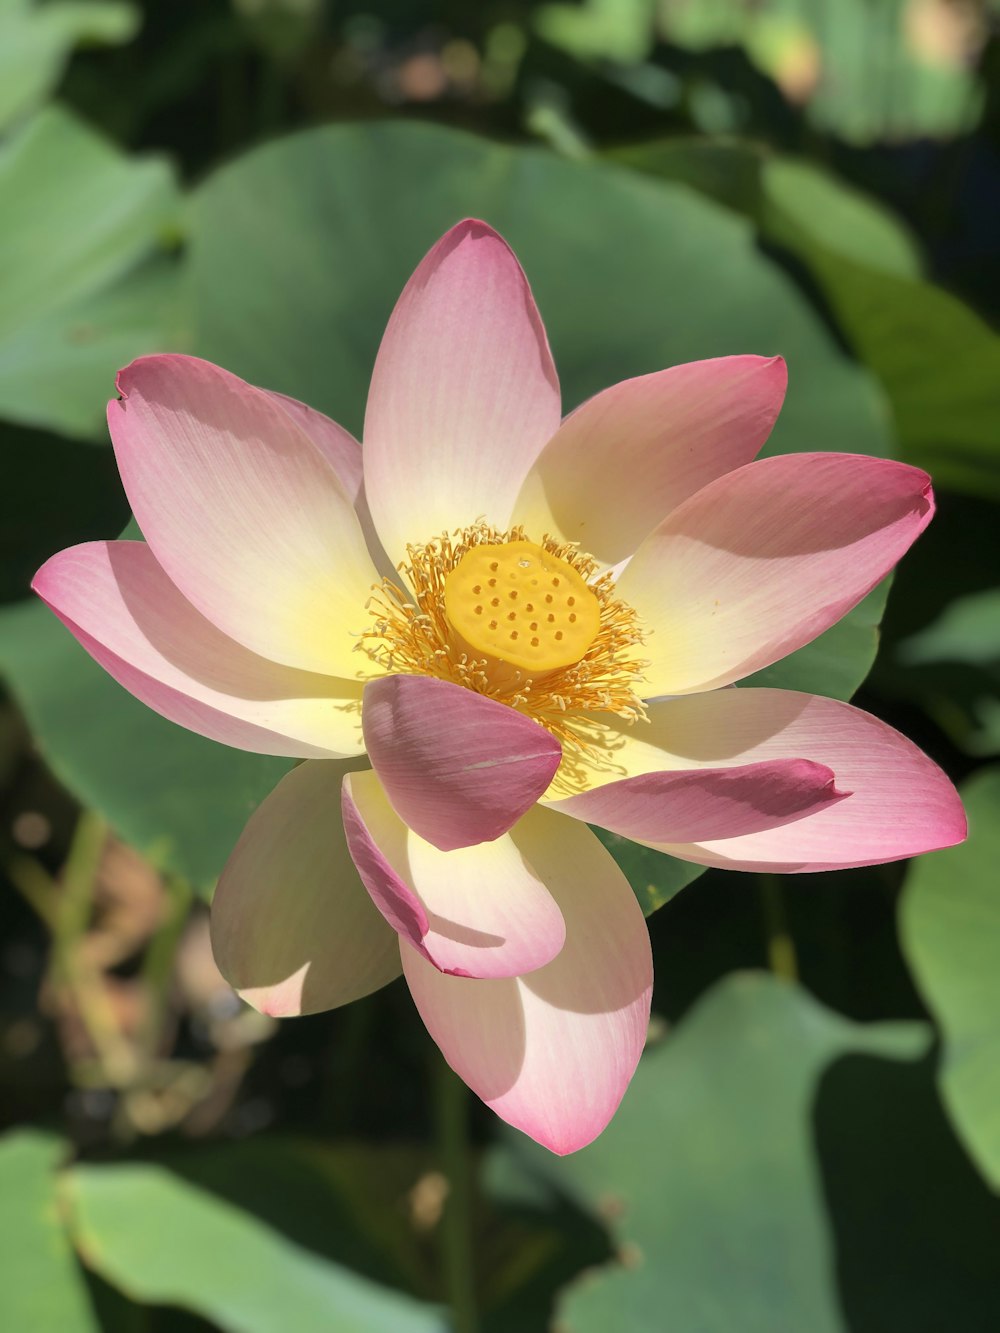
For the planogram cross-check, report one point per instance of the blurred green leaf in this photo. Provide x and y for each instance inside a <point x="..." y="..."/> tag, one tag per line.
<point x="802" y="197"/>
<point x="620" y="30"/>
<point x="968" y="630"/>
<point x="937" y="361"/>
<point x="865" y="72"/>
<point x="707" y="1174"/>
<point x="952" y="668"/>
<point x="915" y="1226"/>
<point x="85" y="284"/>
<point x="950" y="927"/>
<point x="180" y="799"/>
<point x="36" y="41"/>
<point x="41" y="1285"/>
<point x="654" y="876"/>
<point x="164" y="1242"/>
<point x="340" y="1200"/>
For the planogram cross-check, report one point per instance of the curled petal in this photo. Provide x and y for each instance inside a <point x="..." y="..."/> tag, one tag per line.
<point x="463" y="395"/>
<point x="480" y="911"/>
<point x="899" y="804"/>
<point x="685" y="806"/>
<point x="293" y="929"/>
<point x="459" y="768"/>
<point x="553" y="1052"/>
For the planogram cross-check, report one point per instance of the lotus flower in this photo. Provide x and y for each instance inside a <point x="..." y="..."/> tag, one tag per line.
<point x="529" y="624"/>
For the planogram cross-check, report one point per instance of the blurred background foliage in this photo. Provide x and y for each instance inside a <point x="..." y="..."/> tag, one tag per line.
<point x="812" y="1141"/>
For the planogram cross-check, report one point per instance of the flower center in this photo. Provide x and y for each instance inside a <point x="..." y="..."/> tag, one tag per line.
<point x="521" y="604"/>
<point x="532" y="625"/>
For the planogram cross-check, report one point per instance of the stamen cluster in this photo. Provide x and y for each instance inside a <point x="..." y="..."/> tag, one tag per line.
<point x="411" y="634"/>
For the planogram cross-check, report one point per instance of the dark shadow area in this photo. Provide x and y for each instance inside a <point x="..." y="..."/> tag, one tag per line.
<point x="916" y="1230"/>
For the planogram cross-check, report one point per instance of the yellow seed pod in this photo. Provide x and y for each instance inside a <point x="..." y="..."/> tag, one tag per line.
<point x="519" y="603"/>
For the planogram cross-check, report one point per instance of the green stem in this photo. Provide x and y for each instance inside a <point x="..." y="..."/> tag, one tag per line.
<point x="780" y="945"/>
<point x="451" y="1106"/>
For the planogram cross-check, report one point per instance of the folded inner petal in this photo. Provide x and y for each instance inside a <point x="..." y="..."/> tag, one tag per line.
<point x="624" y="459"/>
<point x="120" y="605"/>
<point x="480" y="911"/>
<point x="553" y="1052"/>
<point x="458" y="767"/>
<point x="463" y="396"/>
<point x="693" y="804"/>
<point x="293" y="929"/>
<point x="764" y="559"/>
<point x="244" y="512"/>
<point x="899" y="804"/>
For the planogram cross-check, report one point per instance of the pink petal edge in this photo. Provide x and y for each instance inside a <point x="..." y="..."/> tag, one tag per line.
<point x="243" y="512"/>
<point x="552" y="1053"/>
<point x="478" y="911"/>
<point x="293" y="929"/>
<point x="120" y="605"/>
<point x="623" y="460"/>
<point x="463" y="395"/>
<point x="761" y="561"/>
<point x="692" y="805"/>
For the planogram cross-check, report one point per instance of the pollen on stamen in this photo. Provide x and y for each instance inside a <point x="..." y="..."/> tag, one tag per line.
<point x="411" y="634"/>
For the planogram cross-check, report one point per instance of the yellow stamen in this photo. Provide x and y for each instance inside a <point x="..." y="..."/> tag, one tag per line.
<point x="432" y="628"/>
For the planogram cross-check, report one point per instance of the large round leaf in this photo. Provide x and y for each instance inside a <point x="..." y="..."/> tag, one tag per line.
<point x="950" y="927"/>
<point x="708" y="1172"/>
<point x="300" y="249"/>
<point x="85" y="284"/>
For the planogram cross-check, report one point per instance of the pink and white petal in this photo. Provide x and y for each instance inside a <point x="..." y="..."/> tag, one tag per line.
<point x="553" y="1052"/>
<point x="623" y="460"/>
<point x="764" y="559"/>
<point x="463" y="396"/>
<point x="293" y="929"/>
<point x="337" y="445"/>
<point x="900" y="803"/>
<point x="457" y="767"/>
<point x="243" y="512"/>
<point x="480" y="911"/>
<point x="120" y="605"/>
<point x="694" y="804"/>
<point x="343" y="452"/>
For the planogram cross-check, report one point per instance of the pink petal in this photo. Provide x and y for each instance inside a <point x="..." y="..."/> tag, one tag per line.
<point x="688" y="806"/>
<point x="337" y="445"/>
<point x="293" y="929"/>
<point x="343" y="452"/>
<point x="463" y="396"/>
<point x="900" y="803"/>
<point x="553" y="1052"/>
<point x="622" y="461"/>
<point x="123" y="609"/>
<point x="480" y="911"/>
<point x="459" y="768"/>
<point x="764" y="559"/>
<point x="243" y="512"/>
